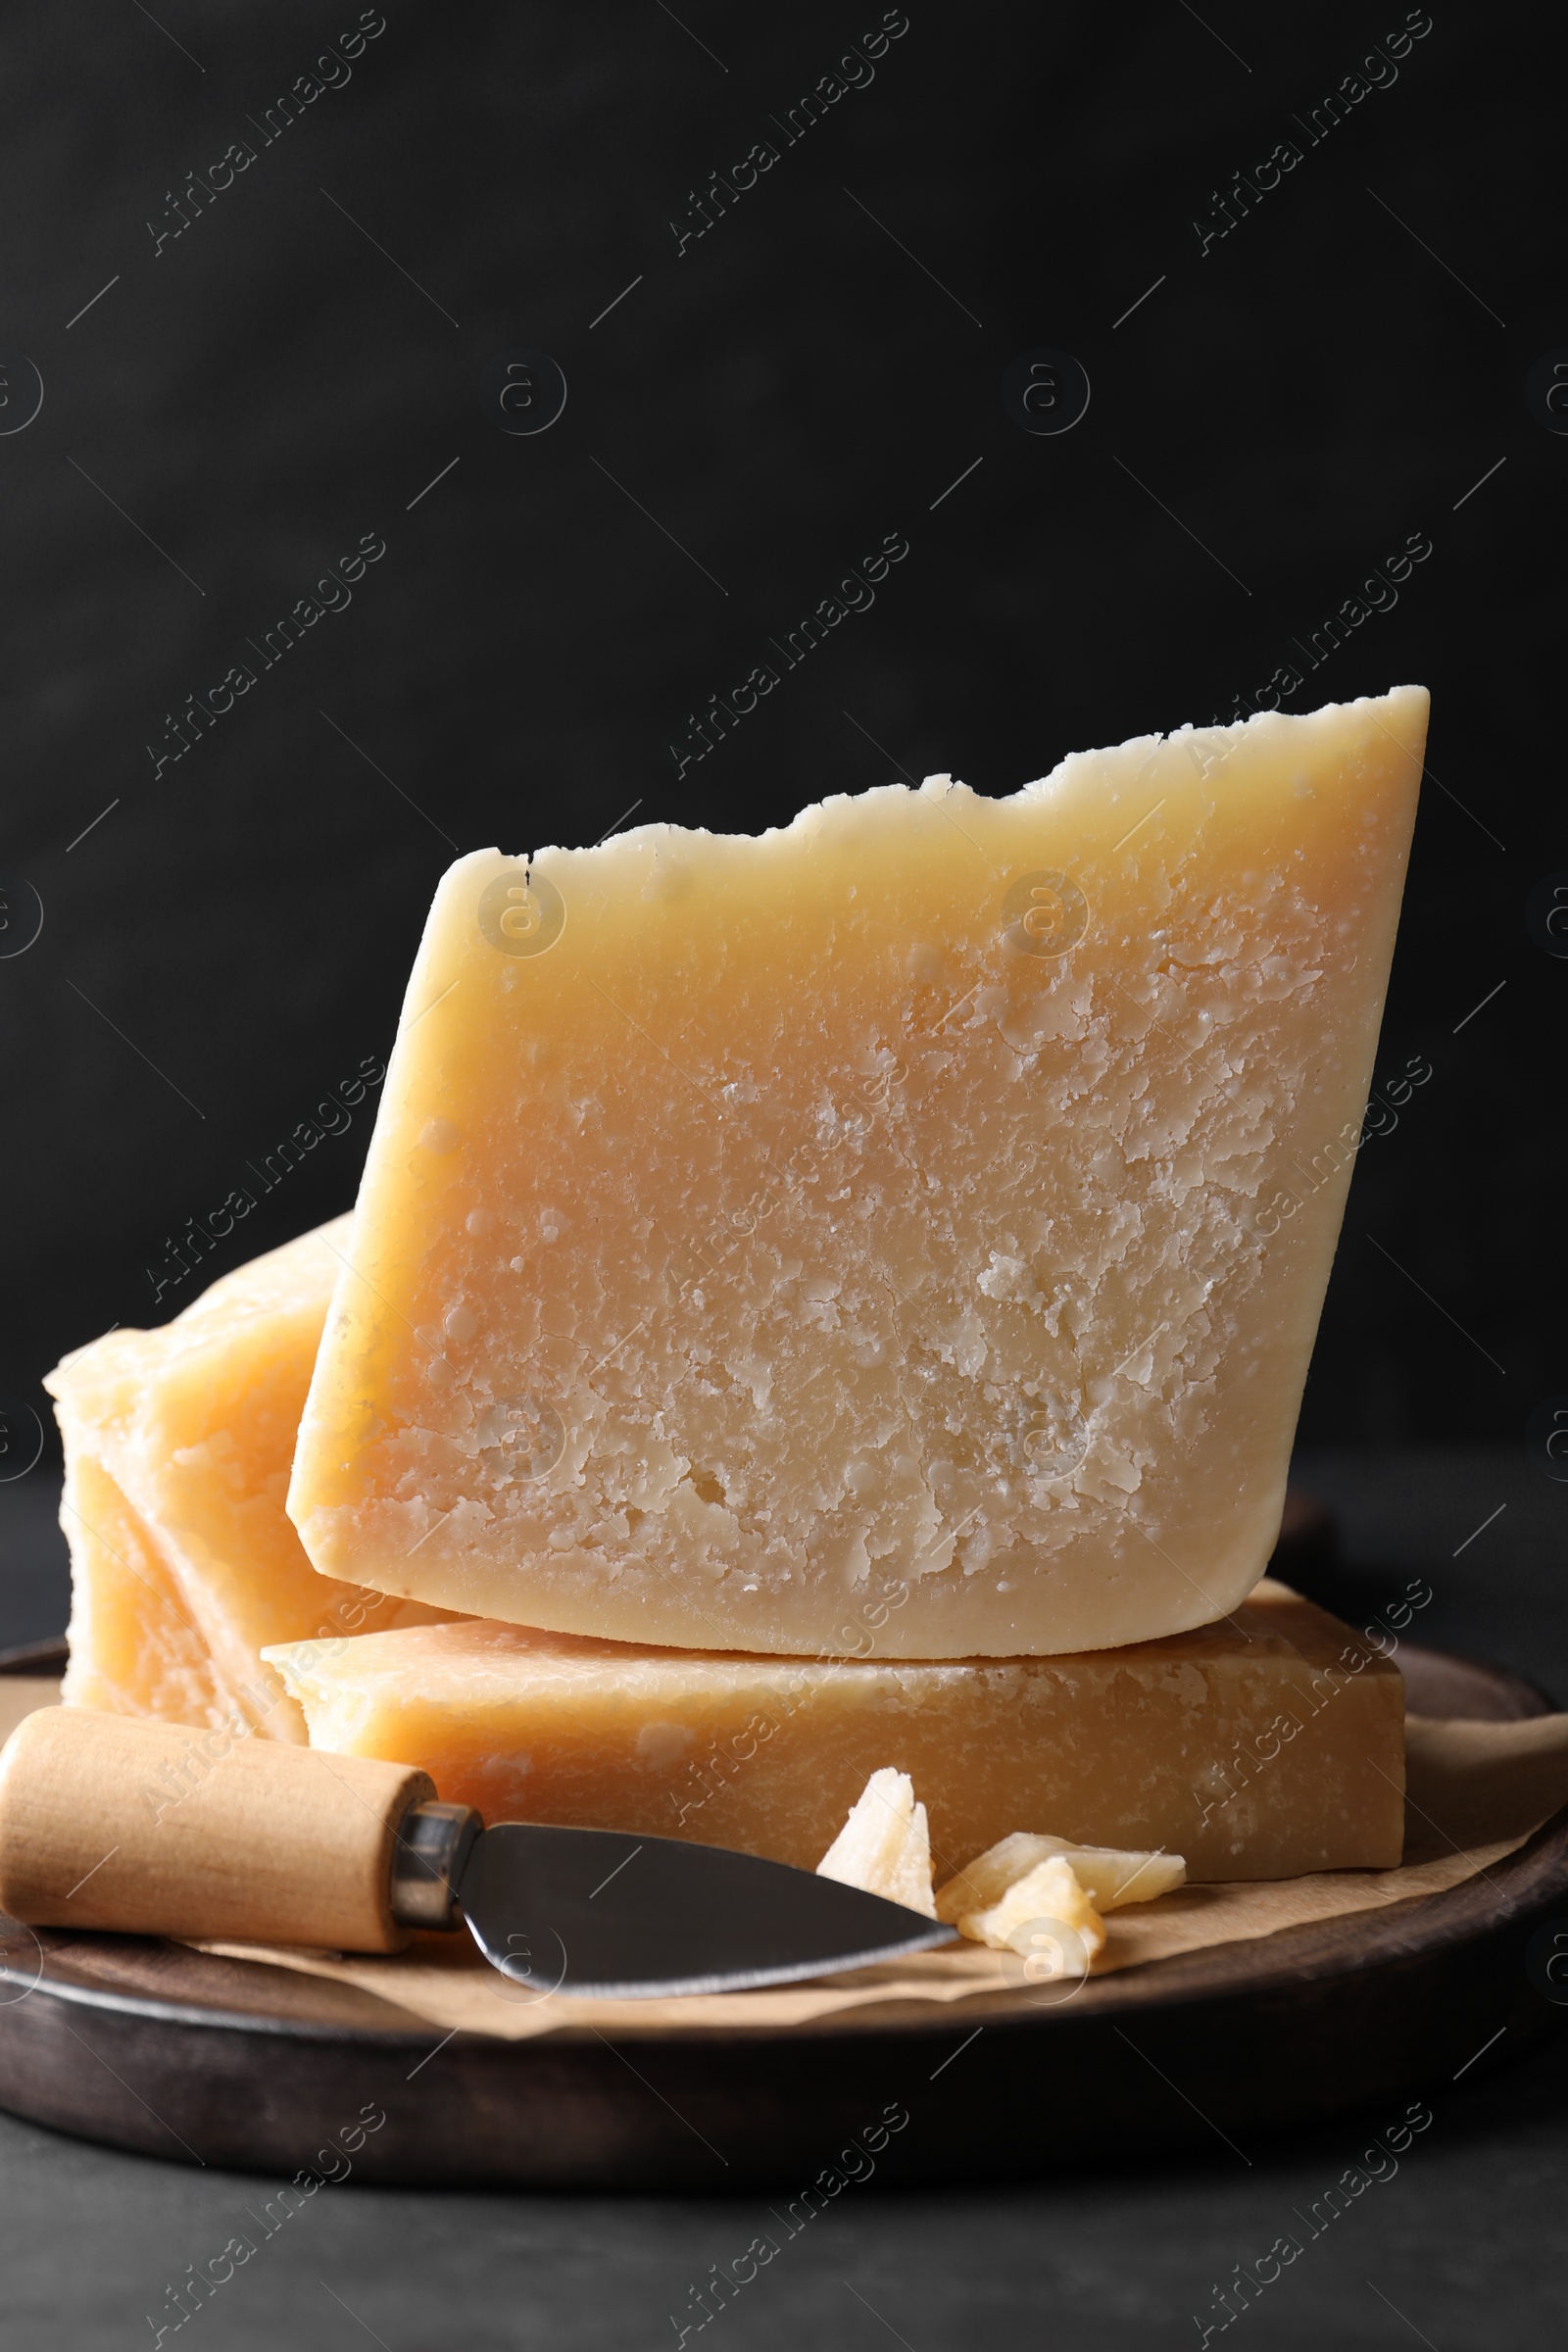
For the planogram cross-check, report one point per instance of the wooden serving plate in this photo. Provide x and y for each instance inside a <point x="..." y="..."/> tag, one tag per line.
<point x="151" y="2046"/>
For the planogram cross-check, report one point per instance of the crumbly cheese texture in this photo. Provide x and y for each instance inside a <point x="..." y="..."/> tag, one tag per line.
<point x="925" y="1208"/>
<point x="1258" y="1748"/>
<point x="1109" y="1877"/>
<point x="885" y="1845"/>
<point x="1046" y="1918"/>
<point x="184" y="1563"/>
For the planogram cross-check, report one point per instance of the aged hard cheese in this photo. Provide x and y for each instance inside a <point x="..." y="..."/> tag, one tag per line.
<point x="1047" y="1918"/>
<point x="135" y="1646"/>
<point x="1257" y="1748"/>
<point x="177" y="1447"/>
<point x="885" y="1211"/>
<point x="1108" y="1875"/>
<point x="885" y="1845"/>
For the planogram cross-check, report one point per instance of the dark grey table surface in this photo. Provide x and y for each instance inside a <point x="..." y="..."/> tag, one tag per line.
<point x="1459" y="2246"/>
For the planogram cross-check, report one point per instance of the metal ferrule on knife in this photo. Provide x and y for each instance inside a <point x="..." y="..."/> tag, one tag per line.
<point x="434" y="1840"/>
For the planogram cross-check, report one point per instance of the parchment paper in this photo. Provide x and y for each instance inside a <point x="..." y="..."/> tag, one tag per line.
<point x="1475" y="1792"/>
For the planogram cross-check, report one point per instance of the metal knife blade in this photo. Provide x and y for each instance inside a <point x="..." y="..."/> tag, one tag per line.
<point x="604" y="1914"/>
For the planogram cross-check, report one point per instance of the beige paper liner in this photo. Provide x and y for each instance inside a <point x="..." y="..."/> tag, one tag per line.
<point x="1475" y="1792"/>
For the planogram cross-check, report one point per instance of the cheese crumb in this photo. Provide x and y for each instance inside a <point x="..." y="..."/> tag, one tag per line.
<point x="885" y="1845"/>
<point x="1047" y="1919"/>
<point x="1108" y="1875"/>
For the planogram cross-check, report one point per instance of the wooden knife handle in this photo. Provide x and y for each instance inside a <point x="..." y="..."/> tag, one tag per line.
<point x="159" y="1829"/>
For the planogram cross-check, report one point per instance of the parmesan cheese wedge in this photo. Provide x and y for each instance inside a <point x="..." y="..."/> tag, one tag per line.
<point x="1259" y="1748"/>
<point x="1047" y="1919"/>
<point x="885" y="1845"/>
<point x="916" y="1218"/>
<point x="1108" y="1874"/>
<point x="183" y="1563"/>
<point x="135" y="1647"/>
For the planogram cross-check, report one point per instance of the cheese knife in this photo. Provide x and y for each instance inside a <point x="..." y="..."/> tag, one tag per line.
<point x="154" y="1829"/>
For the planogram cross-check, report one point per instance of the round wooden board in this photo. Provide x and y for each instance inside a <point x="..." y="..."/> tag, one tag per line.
<point x="150" y="2046"/>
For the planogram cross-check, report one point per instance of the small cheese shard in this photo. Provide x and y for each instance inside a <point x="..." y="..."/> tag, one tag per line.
<point x="885" y="1845"/>
<point x="1259" y="1748"/>
<point x="1109" y="1876"/>
<point x="1047" y="1919"/>
<point x="917" y="1217"/>
<point x="184" y="1564"/>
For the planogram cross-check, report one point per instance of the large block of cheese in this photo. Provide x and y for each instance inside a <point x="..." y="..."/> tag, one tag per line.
<point x="184" y="1564"/>
<point x="1258" y="1748"/>
<point x="926" y="1208"/>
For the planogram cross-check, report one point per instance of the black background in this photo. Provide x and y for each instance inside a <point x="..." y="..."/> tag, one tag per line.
<point x="267" y="386"/>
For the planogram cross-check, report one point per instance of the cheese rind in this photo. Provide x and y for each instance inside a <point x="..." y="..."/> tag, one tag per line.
<point x="184" y="1564"/>
<point x="917" y="1216"/>
<point x="1252" y="1748"/>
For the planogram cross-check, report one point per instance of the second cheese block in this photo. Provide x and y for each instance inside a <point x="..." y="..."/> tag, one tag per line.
<point x="178" y="1448"/>
<point x="924" y="1209"/>
<point x="1258" y="1750"/>
<point x="135" y="1647"/>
